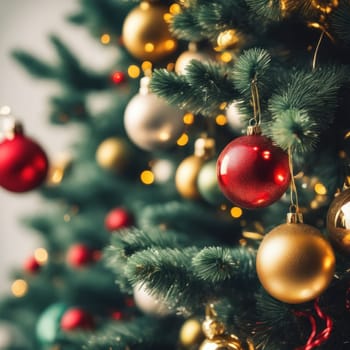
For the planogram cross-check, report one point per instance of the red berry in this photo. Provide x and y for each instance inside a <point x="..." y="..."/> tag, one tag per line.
<point x="118" y="218"/>
<point x="31" y="265"/>
<point x="118" y="77"/>
<point x="79" y="255"/>
<point x="75" y="318"/>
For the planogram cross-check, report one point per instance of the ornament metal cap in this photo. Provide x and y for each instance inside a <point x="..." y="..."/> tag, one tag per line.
<point x="295" y="218"/>
<point x="253" y="130"/>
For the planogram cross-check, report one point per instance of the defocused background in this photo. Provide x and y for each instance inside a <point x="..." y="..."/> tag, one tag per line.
<point x="26" y="24"/>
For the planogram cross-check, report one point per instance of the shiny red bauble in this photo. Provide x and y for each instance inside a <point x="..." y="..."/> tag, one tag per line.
<point x="31" y="265"/>
<point x="76" y="318"/>
<point x="117" y="219"/>
<point x="23" y="163"/>
<point x="79" y="255"/>
<point x="252" y="172"/>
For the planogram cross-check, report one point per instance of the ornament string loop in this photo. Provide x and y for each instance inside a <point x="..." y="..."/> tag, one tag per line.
<point x="316" y="339"/>
<point x="255" y="102"/>
<point x="314" y="60"/>
<point x="294" y="201"/>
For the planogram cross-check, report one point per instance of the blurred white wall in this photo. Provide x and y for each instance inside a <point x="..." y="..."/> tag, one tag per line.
<point x="26" y="24"/>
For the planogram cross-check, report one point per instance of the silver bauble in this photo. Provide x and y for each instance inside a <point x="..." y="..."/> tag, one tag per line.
<point x="187" y="56"/>
<point x="148" y="303"/>
<point x="150" y="122"/>
<point x="235" y="118"/>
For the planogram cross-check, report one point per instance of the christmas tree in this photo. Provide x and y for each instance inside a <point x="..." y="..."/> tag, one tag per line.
<point x="205" y="204"/>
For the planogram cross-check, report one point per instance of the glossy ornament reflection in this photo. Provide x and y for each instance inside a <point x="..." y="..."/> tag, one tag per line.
<point x="338" y="221"/>
<point x="295" y="263"/>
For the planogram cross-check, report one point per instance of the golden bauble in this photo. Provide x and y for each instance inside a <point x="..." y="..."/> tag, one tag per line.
<point x="146" y="34"/>
<point x="228" y="39"/>
<point x="113" y="154"/>
<point x="191" y="332"/>
<point x="226" y="342"/>
<point x="295" y="263"/>
<point x="186" y="177"/>
<point x="338" y="221"/>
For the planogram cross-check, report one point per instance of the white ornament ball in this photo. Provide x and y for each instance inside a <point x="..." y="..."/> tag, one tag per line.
<point x="149" y="304"/>
<point x="150" y="122"/>
<point x="185" y="59"/>
<point x="235" y="118"/>
<point x="163" y="170"/>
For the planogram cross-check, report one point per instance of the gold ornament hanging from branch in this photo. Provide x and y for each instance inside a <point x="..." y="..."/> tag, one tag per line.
<point x="186" y="175"/>
<point x="217" y="336"/>
<point x="229" y="39"/>
<point x="146" y="34"/>
<point x="338" y="219"/>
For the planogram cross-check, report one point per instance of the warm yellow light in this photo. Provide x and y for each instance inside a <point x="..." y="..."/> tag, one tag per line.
<point x="134" y="71"/>
<point x="169" y="45"/>
<point x="170" y="66"/>
<point x="149" y="47"/>
<point x="182" y="140"/>
<point x="314" y="204"/>
<point x="188" y="118"/>
<point x="223" y="207"/>
<point x="66" y="217"/>
<point x="41" y="256"/>
<point x="146" y="66"/>
<point x="226" y="57"/>
<point x="105" y="39"/>
<point x="175" y="9"/>
<point x="167" y="17"/>
<point x="147" y="177"/>
<point x="320" y="189"/>
<point x="342" y="154"/>
<point x="236" y="212"/>
<point x="19" y="288"/>
<point x="223" y="105"/>
<point x="221" y="119"/>
<point x="55" y="176"/>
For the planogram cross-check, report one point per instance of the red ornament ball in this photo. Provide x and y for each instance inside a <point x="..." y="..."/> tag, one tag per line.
<point x="79" y="255"/>
<point x="118" y="77"/>
<point x="252" y="172"/>
<point x="118" y="218"/>
<point x="76" y="318"/>
<point x="23" y="163"/>
<point x="31" y="265"/>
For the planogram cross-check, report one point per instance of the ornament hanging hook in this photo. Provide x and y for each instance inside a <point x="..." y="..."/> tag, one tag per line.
<point x="294" y="214"/>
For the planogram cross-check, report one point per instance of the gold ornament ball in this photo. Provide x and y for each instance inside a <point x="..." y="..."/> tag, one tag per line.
<point x="226" y="342"/>
<point x="338" y="221"/>
<point x="186" y="177"/>
<point x="228" y="39"/>
<point x="146" y="34"/>
<point x="113" y="154"/>
<point x="295" y="263"/>
<point x="191" y="333"/>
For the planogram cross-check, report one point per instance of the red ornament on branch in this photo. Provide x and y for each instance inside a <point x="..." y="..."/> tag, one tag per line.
<point x="76" y="318"/>
<point x="118" y="77"/>
<point x="80" y="255"/>
<point x="118" y="218"/>
<point x="31" y="265"/>
<point x="23" y="163"/>
<point x="252" y="172"/>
